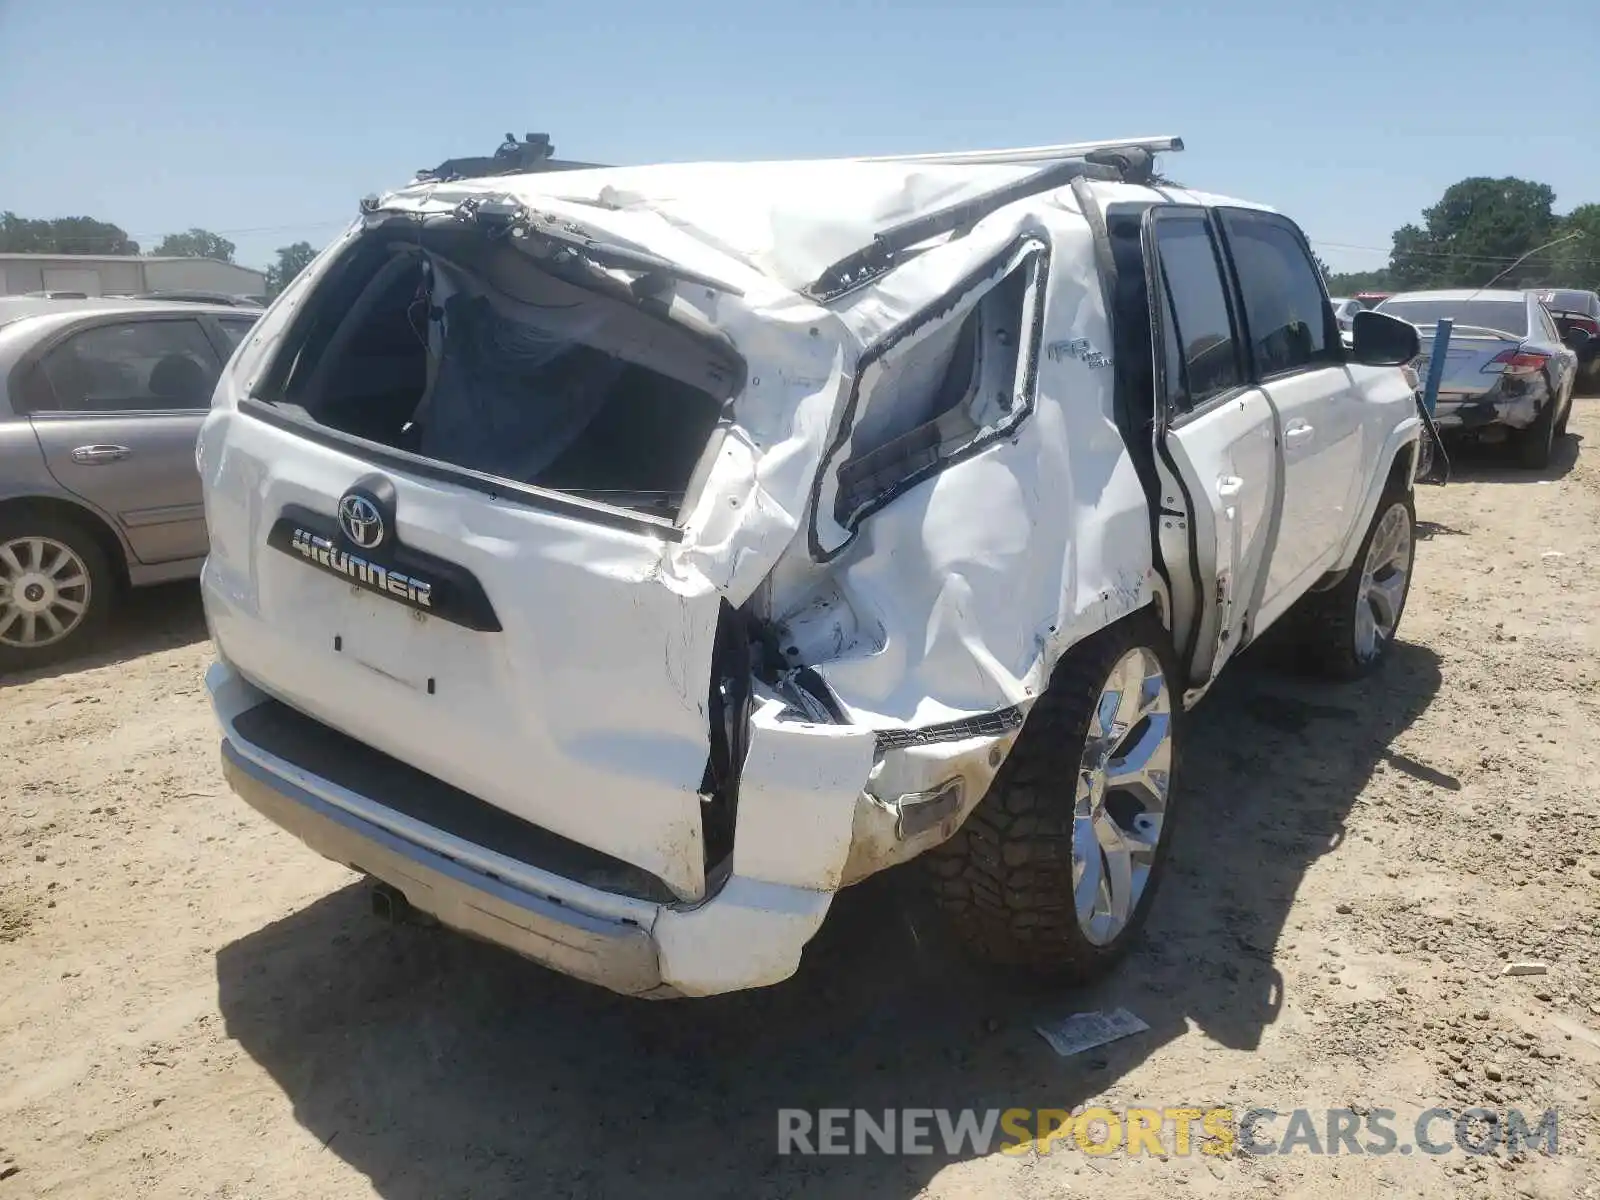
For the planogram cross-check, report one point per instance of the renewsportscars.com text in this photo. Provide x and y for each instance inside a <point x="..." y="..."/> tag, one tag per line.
<point x="1163" y="1131"/>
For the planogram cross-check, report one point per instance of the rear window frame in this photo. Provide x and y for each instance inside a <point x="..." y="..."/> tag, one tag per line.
<point x="270" y="360"/>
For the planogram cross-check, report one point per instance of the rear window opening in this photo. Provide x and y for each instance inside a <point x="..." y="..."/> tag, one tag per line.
<point x="464" y="350"/>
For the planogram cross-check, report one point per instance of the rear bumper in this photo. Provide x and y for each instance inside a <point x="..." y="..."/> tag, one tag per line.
<point x="612" y="953"/>
<point x="1512" y="412"/>
<point x="750" y="933"/>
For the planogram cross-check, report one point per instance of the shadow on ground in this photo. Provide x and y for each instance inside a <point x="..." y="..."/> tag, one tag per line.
<point x="1480" y="462"/>
<point x="147" y="620"/>
<point x="439" y="1067"/>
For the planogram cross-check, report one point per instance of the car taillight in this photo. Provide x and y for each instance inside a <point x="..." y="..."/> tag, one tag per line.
<point x="1588" y="324"/>
<point x="1518" y="362"/>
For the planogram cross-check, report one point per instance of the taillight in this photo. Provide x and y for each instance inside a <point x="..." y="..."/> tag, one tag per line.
<point x="1519" y="362"/>
<point x="1587" y="324"/>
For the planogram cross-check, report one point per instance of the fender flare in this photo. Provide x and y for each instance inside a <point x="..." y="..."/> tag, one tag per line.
<point x="1404" y="438"/>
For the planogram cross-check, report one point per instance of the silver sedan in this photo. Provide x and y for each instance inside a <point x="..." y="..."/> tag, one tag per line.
<point x="1507" y="374"/>
<point x="100" y="405"/>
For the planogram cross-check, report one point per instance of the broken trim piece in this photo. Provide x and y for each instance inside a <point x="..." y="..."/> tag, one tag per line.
<point x="888" y="246"/>
<point x="991" y="724"/>
<point x="918" y="812"/>
<point x="543" y="236"/>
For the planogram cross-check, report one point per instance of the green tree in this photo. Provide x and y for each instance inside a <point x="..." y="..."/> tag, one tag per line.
<point x="1577" y="263"/>
<point x="291" y="261"/>
<point x="1479" y="227"/>
<point x="196" y="243"/>
<point x="1348" y="283"/>
<point x="62" y="235"/>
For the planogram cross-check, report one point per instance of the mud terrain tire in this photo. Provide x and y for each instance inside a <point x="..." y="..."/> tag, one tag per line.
<point x="1006" y="878"/>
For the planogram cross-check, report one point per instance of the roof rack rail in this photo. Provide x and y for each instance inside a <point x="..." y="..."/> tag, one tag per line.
<point x="534" y="152"/>
<point x="1126" y="162"/>
<point x="1027" y="154"/>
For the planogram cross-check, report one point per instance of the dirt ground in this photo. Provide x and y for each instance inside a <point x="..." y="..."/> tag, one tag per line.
<point x="193" y="1004"/>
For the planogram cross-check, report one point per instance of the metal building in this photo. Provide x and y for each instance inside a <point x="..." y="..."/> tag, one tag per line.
<point x="124" y="274"/>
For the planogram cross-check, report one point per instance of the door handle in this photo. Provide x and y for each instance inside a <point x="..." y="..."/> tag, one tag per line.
<point x="1296" y="434"/>
<point x="93" y="456"/>
<point x="1228" y="486"/>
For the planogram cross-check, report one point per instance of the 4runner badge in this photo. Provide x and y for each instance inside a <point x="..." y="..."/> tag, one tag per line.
<point x="360" y="521"/>
<point x="1078" y="348"/>
<point x="360" y="543"/>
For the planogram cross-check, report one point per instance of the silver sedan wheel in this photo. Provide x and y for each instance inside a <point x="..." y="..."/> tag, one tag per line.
<point x="44" y="592"/>
<point x="1384" y="576"/>
<point x="1123" y="780"/>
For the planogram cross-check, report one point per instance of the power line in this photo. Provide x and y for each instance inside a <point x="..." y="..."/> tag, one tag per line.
<point x="1471" y="258"/>
<point x="257" y="229"/>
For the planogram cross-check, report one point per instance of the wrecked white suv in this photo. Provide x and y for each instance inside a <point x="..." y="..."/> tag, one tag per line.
<point x="616" y="563"/>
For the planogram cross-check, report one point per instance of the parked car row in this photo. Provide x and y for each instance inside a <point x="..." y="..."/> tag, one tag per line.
<point x="1511" y="367"/>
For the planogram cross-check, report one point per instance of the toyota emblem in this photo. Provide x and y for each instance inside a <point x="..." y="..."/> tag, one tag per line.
<point x="361" y="521"/>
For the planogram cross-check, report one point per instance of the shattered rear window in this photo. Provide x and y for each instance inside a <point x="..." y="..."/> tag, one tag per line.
<point x="475" y="356"/>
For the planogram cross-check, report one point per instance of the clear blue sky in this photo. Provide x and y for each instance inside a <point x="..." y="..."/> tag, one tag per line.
<point x="268" y="120"/>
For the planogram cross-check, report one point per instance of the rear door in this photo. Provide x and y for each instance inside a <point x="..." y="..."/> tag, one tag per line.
<point x="1295" y="355"/>
<point x="1215" y="446"/>
<point x="116" y="405"/>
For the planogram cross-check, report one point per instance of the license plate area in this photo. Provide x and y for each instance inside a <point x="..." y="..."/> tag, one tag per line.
<point x="401" y="646"/>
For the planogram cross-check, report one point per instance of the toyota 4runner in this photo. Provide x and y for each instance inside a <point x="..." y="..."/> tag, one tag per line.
<point x="617" y="563"/>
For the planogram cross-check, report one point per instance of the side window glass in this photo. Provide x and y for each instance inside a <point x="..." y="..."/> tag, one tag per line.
<point x="1198" y="346"/>
<point x="132" y="365"/>
<point x="1282" y="291"/>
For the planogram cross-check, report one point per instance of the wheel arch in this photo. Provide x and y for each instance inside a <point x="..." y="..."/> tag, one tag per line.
<point x="1399" y="461"/>
<point x="81" y="515"/>
<point x="1151" y="616"/>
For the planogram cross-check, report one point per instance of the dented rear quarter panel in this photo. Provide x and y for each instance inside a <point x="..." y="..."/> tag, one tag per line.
<point x="957" y="597"/>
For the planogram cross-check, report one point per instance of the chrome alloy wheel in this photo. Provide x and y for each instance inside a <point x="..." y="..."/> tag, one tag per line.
<point x="1384" y="576"/>
<point x="1123" y="780"/>
<point x="44" y="592"/>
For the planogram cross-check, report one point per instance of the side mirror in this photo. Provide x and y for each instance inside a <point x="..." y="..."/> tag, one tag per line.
<point x="1380" y="340"/>
<point x="1575" y="338"/>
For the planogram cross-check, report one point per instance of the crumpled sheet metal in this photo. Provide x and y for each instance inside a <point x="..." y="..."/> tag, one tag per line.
<point x="957" y="597"/>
